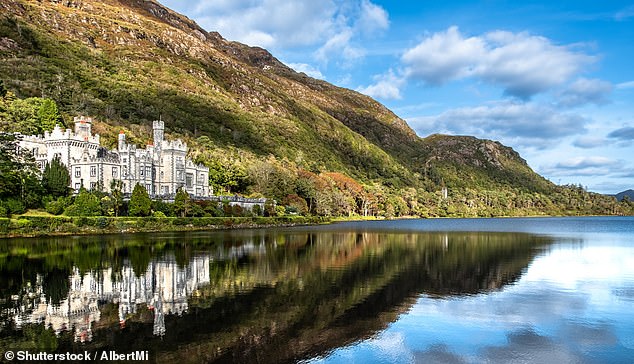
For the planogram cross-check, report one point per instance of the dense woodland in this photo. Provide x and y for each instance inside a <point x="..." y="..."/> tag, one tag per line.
<point x="296" y="189"/>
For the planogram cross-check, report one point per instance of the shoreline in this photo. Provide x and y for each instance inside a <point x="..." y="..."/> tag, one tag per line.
<point x="59" y="226"/>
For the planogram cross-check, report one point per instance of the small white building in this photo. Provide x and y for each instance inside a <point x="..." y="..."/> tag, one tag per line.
<point x="162" y="168"/>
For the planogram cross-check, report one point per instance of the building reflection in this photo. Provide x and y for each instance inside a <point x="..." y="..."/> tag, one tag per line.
<point x="163" y="289"/>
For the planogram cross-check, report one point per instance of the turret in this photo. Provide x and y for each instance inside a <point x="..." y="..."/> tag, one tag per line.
<point x="159" y="129"/>
<point x="121" y="140"/>
<point x="83" y="127"/>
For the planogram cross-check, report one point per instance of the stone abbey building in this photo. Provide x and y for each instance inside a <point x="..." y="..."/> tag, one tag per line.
<point x="162" y="167"/>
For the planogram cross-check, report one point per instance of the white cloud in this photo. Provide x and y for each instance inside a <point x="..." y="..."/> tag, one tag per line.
<point x="589" y="142"/>
<point x="625" y="85"/>
<point x="339" y="44"/>
<point x="335" y="28"/>
<point x="623" y="134"/>
<point x="585" y="91"/>
<point x="523" y="64"/>
<point x="387" y="87"/>
<point x="307" y="69"/>
<point x="586" y="166"/>
<point x="443" y="57"/>
<point x="525" y="124"/>
<point x="586" y="162"/>
<point x="373" y="18"/>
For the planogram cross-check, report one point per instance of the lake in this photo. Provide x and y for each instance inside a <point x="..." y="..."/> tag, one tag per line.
<point x="404" y="291"/>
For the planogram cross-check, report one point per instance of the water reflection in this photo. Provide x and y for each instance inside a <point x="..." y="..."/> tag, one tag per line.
<point x="265" y="296"/>
<point x="163" y="288"/>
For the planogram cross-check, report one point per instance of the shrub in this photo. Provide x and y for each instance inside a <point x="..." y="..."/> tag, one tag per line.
<point x="4" y="225"/>
<point x="21" y="224"/>
<point x="102" y="222"/>
<point x="56" y="207"/>
<point x="158" y="214"/>
<point x="86" y="204"/>
<point x="14" y="206"/>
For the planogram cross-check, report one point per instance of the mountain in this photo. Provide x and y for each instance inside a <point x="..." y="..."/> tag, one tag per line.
<point x="127" y="62"/>
<point x="621" y="195"/>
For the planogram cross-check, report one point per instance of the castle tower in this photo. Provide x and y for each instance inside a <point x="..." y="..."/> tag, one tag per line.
<point x="159" y="129"/>
<point x="83" y="126"/>
<point x="121" y="144"/>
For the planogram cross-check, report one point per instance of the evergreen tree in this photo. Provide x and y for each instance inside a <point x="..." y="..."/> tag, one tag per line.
<point x="116" y="193"/>
<point x="56" y="178"/>
<point x="182" y="202"/>
<point x="140" y="203"/>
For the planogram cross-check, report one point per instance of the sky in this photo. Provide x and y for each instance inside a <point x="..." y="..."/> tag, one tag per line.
<point x="552" y="79"/>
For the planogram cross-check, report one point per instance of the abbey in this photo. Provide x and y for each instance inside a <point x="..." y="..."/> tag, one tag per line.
<point x="162" y="167"/>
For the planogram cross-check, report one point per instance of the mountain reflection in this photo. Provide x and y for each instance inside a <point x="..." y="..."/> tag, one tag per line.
<point x="254" y="296"/>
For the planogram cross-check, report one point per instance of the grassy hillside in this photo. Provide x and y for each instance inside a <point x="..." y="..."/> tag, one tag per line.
<point x="262" y="127"/>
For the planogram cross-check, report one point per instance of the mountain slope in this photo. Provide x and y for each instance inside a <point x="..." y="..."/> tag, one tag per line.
<point x="621" y="195"/>
<point x="127" y="62"/>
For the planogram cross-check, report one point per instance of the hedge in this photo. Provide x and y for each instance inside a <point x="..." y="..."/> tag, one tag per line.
<point x="43" y="225"/>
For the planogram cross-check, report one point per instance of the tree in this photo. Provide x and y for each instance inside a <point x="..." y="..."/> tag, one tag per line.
<point x="56" y="178"/>
<point x="227" y="177"/>
<point x="182" y="202"/>
<point x="18" y="173"/>
<point x="140" y="203"/>
<point x="86" y="204"/>
<point x="116" y="194"/>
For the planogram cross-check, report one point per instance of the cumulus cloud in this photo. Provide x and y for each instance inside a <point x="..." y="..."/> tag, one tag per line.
<point x="340" y="44"/>
<point x="387" y="87"/>
<point x="527" y="124"/>
<point x="443" y="57"/>
<point x="584" y="91"/>
<point x="373" y="18"/>
<point x="522" y="63"/>
<point x="334" y="27"/>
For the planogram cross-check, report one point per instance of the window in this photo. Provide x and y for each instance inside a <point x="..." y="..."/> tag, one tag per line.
<point x="125" y="171"/>
<point x="141" y="171"/>
<point x="125" y="160"/>
<point x="77" y="172"/>
<point x="114" y="172"/>
<point x="93" y="185"/>
<point x="190" y="179"/>
<point x="149" y="188"/>
<point x="77" y="186"/>
<point x="148" y="171"/>
<point x="179" y="175"/>
<point x="93" y="171"/>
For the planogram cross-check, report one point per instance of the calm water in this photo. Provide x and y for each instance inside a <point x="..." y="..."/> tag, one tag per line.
<point x="538" y="290"/>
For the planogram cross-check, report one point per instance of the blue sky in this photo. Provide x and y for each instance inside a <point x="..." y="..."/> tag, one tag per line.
<point x="553" y="80"/>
